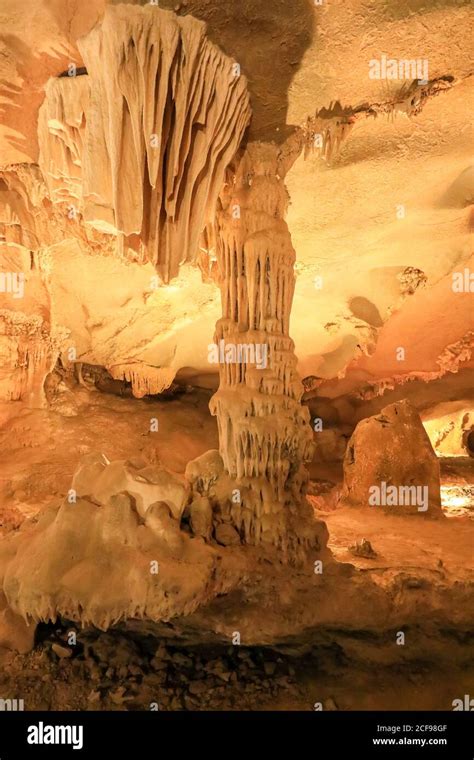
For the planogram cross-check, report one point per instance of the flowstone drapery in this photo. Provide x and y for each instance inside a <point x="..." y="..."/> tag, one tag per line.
<point x="142" y="141"/>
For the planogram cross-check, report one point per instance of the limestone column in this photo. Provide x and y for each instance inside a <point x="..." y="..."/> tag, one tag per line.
<point x="264" y="432"/>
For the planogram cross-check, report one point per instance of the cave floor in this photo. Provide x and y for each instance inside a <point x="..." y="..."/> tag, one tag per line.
<point x="444" y="545"/>
<point x="40" y="451"/>
<point x="115" y="672"/>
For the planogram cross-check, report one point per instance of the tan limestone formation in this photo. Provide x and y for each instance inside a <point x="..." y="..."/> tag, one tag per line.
<point x="142" y="141"/>
<point x="264" y="433"/>
<point x="160" y="115"/>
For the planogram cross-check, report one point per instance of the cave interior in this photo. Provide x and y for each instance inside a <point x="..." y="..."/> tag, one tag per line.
<point x="236" y="355"/>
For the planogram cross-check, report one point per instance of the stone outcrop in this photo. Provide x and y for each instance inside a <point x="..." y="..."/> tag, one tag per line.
<point x="113" y="550"/>
<point x="390" y="464"/>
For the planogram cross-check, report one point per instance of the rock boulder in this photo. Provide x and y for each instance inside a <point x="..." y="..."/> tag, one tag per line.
<point x="390" y="464"/>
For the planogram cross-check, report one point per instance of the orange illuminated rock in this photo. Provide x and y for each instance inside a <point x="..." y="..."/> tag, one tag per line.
<point x="390" y="464"/>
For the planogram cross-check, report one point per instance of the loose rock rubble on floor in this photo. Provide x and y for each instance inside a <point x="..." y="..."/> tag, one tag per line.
<point x="112" y="671"/>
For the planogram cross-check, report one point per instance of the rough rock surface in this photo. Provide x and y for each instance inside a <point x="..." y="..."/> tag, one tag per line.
<point x="112" y="550"/>
<point x="388" y="454"/>
<point x="450" y="426"/>
<point x="100" y="479"/>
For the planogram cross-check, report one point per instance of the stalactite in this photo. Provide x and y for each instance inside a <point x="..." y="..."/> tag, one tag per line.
<point x="145" y="380"/>
<point x="133" y="153"/>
